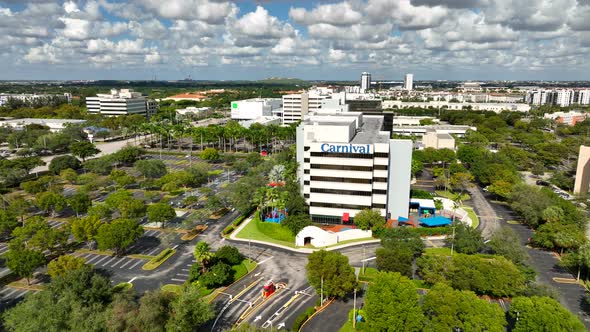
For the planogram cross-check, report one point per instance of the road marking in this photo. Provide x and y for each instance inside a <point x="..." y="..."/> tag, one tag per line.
<point x="118" y="262"/>
<point x="182" y="274"/>
<point x="93" y="258"/>
<point x="132" y="279"/>
<point x="265" y="260"/>
<point x="22" y="294"/>
<point x="185" y="270"/>
<point x="102" y="259"/>
<point x="3" y="250"/>
<point x="110" y="260"/>
<point x="134" y="265"/>
<point x="181" y="280"/>
<point x="9" y="294"/>
<point x="153" y="251"/>
<point x="130" y="260"/>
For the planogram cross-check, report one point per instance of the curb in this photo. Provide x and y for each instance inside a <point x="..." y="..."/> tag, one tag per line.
<point x="322" y="308"/>
<point x="233" y="283"/>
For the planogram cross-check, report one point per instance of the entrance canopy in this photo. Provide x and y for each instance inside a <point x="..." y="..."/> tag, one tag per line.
<point x="435" y="221"/>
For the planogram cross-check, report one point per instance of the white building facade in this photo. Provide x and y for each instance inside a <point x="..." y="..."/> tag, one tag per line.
<point x="250" y="109"/>
<point x="296" y="106"/>
<point x="409" y="82"/>
<point x="121" y="102"/>
<point x="347" y="164"/>
<point x="365" y="82"/>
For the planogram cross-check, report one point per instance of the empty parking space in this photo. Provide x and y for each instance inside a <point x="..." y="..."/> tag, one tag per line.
<point x="182" y="276"/>
<point x="55" y="224"/>
<point x="112" y="262"/>
<point x="8" y="294"/>
<point x="3" y="248"/>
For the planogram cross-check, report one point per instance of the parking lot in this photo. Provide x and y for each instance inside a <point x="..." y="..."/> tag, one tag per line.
<point x="9" y="296"/>
<point x="112" y="262"/>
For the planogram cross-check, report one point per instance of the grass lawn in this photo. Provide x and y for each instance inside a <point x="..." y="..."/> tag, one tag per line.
<point x="472" y="215"/>
<point x="439" y="251"/>
<point x="215" y="172"/>
<point x="268" y="232"/>
<point x="369" y="274"/>
<point x="243" y="268"/>
<point x="451" y="195"/>
<point x="172" y="288"/>
<point x="153" y="263"/>
<point x="122" y="287"/>
<point x="513" y="222"/>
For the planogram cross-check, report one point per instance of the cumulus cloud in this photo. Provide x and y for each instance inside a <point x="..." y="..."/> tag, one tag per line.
<point x="213" y="12"/>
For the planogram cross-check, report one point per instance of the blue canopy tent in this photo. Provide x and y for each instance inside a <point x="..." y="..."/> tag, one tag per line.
<point x="435" y="221"/>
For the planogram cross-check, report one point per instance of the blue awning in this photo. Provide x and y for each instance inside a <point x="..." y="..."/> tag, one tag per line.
<point x="435" y="221"/>
<point x="402" y="219"/>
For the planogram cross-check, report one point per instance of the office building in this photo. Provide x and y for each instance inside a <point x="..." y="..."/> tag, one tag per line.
<point x="567" y="118"/>
<point x="296" y="106"/>
<point x="559" y="97"/>
<point x="583" y="171"/>
<point x="54" y="125"/>
<point x="409" y="82"/>
<point x="35" y="99"/>
<point x="121" y="102"/>
<point x="348" y="164"/>
<point x="494" y="107"/>
<point x="250" y="109"/>
<point x="365" y="82"/>
<point x="436" y="140"/>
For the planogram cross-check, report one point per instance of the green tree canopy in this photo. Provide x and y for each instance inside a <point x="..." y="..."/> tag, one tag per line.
<point x="542" y="314"/>
<point x="392" y="304"/>
<point x="210" y="154"/>
<point x="85" y="229"/>
<point x="79" y="202"/>
<point x="467" y="240"/>
<point x="61" y="163"/>
<point x="83" y="149"/>
<point x="229" y="255"/>
<point x="151" y="168"/>
<point x="23" y="262"/>
<point x="333" y="269"/>
<point x="64" y="264"/>
<point x="160" y="213"/>
<point x="118" y="235"/>
<point x="369" y="219"/>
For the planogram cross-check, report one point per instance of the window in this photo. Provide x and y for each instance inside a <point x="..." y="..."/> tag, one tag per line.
<point x="340" y="192"/>
<point x="378" y="206"/>
<point x="341" y="180"/>
<point x="305" y="195"/>
<point x="381" y="155"/>
<point x="343" y="167"/>
<point x="380" y="167"/>
<point x="306" y="183"/>
<point x="380" y="179"/>
<point x="379" y="192"/>
<point x="342" y="155"/>
<point x="305" y="160"/>
<point x="305" y="171"/>
<point x="339" y="206"/>
<point x="306" y="148"/>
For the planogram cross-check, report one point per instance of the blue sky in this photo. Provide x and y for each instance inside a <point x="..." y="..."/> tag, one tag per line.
<point x="331" y="40"/>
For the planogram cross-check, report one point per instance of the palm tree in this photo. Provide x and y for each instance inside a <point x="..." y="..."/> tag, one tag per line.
<point x="203" y="255"/>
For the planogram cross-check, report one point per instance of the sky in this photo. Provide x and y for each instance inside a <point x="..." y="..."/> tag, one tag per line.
<point x="315" y="40"/>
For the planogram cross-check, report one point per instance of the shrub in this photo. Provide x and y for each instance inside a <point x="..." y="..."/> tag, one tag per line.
<point x="230" y="255"/>
<point x="302" y="318"/>
<point x="228" y="230"/>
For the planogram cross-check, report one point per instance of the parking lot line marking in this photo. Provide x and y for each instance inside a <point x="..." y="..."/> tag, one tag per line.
<point x="181" y="280"/>
<point x="150" y="233"/>
<point x="134" y="265"/>
<point x="92" y="259"/>
<point x="3" y="250"/>
<point x="12" y="292"/>
<point x="98" y="262"/>
<point x="182" y="274"/>
<point x="185" y="270"/>
<point x="130" y="260"/>
<point x="110" y="260"/>
<point x="22" y="294"/>
<point x="265" y="260"/>
<point x="118" y="262"/>
<point x="132" y="279"/>
<point x="153" y="251"/>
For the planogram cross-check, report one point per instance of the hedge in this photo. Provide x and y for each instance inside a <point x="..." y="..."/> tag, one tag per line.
<point x="302" y="318"/>
<point x="159" y="259"/>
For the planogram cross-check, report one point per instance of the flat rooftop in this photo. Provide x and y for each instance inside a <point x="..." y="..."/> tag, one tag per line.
<point x="370" y="131"/>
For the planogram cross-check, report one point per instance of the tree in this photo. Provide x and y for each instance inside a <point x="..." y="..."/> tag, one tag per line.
<point x="23" y="262"/>
<point x="8" y="222"/>
<point x="188" y="311"/>
<point x="102" y="165"/>
<point x="392" y="304"/>
<point x="505" y="242"/>
<point x="79" y="202"/>
<point x="64" y="264"/>
<point x="128" y="155"/>
<point x="220" y="274"/>
<point x="461" y="181"/>
<point x="402" y="237"/>
<point x="61" y="163"/>
<point x="552" y="214"/>
<point x="151" y="168"/>
<point x="295" y="223"/>
<point x="121" y="178"/>
<point x="329" y="271"/>
<point x="229" y="255"/>
<point x="36" y="234"/>
<point x="83" y="149"/>
<point x="160" y="213"/>
<point x="50" y="202"/>
<point x="501" y="188"/>
<point x="542" y="314"/>
<point x="210" y="154"/>
<point x="369" y="219"/>
<point x="467" y="240"/>
<point x="398" y="259"/>
<point x="86" y="229"/>
<point x="118" y="235"/>
<point x="203" y="254"/>
<point x="446" y="309"/>
<point x="69" y="175"/>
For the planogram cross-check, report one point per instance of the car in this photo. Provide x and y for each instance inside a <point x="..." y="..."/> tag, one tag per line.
<point x="542" y="183"/>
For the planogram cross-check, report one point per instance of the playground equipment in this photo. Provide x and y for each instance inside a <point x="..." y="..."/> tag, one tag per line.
<point x="275" y="216"/>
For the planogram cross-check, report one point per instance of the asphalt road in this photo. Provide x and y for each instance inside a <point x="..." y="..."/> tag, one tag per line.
<point x="572" y="296"/>
<point x="488" y="219"/>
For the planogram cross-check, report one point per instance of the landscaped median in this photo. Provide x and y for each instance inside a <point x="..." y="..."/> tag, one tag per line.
<point x="159" y="259"/>
<point x="123" y="286"/>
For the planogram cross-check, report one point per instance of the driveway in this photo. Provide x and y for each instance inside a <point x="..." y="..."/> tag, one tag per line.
<point x="488" y="219"/>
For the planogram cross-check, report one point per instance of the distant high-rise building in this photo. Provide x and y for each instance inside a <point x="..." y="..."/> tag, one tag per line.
<point x="409" y="82"/>
<point x="121" y="102"/>
<point x="365" y="82"/>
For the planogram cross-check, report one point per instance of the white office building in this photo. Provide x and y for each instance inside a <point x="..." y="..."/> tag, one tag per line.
<point x="409" y="82"/>
<point x="54" y="125"/>
<point x="347" y="164"/>
<point x="250" y="109"/>
<point x="296" y="106"/>
<point x="365" y="82"/>
<point x="121" y="102"/>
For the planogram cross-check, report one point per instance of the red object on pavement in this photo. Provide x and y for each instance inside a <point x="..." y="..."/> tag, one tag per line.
<point x="345" y="217"/>
<point x="268" y="289"/>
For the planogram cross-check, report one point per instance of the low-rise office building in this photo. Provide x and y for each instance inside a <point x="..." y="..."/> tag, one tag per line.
<point x="435" y="140"/>
<point x="250" y="109"/>
<point x="54" y="125"/>
<point x="567" y="118"/>
<point x="347" y="164"/>
<point x="121" y="102"/>
<point x="494" y="107"/>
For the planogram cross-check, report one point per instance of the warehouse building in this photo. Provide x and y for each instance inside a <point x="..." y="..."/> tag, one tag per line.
<point x="347" y="163"/>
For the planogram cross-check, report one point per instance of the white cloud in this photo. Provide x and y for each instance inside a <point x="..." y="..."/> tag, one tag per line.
<point x="213" y="12"/>
<point x="334" y="14"/>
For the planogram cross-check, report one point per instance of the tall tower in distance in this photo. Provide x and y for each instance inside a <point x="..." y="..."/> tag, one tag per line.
<point x="409" y="82"/>
<point x="365" y="82"/>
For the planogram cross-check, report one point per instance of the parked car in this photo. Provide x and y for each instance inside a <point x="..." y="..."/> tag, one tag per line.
<point x="542" y="183"/>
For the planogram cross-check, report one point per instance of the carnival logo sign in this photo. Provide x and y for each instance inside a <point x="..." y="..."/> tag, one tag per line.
<point x="361" y="149"/>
